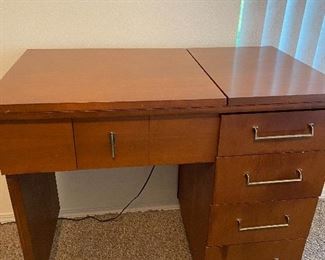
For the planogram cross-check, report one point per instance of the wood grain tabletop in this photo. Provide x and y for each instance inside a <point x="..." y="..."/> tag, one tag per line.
<point x="59" y="79"/>
<point x="261" y="75"/>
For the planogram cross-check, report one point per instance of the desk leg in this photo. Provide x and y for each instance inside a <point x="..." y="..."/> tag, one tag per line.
<point x="195" y="191"/>
<point x="36" y="206"/>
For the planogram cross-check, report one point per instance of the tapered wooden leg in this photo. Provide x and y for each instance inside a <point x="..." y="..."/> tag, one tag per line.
<point x="36" y="206"/>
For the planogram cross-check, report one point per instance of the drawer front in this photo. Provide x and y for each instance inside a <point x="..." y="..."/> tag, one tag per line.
<point x="111" y="143"/>
<point x="272" y="132"/>
<point x="281" y="250"/>
<point x="269" y="177"/>
<point x="36" y="147"/>
<point x="183" y="140"/>
<point x="258" y="222"/>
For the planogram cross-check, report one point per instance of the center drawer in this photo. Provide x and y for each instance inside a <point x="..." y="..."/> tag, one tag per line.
<point x="183" y="139"/>
<point x="111" y="143"/>
<point x="258" y="222"/>
<point x="261" y="133"/>
<point x="269" y="177"/>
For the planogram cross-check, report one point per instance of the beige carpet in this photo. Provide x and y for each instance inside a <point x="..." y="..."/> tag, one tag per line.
<point x="149" y="235"/>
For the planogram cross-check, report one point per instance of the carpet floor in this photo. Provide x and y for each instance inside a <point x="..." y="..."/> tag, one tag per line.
<point x="148" y="235"/>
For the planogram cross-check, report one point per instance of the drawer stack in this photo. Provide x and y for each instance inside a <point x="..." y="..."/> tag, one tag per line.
<point x="259" y="198"/>
<point x="269" y="174"/>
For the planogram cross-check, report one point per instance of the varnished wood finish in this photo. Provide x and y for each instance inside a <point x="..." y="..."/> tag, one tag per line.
<point x="231" y="183"/>
<point x="237" y="135"/>
<point x="175" y="140"/>
<point x="79" y="83"/>
<point x="36" y="206"/>
<point x="195" y="195"/>
<point x="93" y="147"/>
<point x="224" y="226"/>
<point x="36" y="147"/>
<point x="261" y="75"/>
<point x="32" y="112"/>
<point x="163" y="140"/>
<point x="106" y="79"/>
<point x="165" y="109"/>
<point x="284" y="249"/>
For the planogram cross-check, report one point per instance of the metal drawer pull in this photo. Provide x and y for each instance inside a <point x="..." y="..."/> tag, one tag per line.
<point x="249" y="183"/>
<point x="263" y="227"/>
<point x="274" y="137"/>
<point x="112" y="138"/>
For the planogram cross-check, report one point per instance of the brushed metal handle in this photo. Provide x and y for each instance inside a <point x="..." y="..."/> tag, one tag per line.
<point x="277" y="137"/>
<point x="254" y="183"/>
<point x="112" y="137"/>
<point x="240" y="229"/>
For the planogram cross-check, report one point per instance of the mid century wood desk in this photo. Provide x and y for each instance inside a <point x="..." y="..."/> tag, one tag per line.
<point x="246" y="126"/>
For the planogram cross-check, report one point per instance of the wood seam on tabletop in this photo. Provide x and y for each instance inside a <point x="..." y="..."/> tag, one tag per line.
<point x="74" y="143"/>
<point x="227" y="98"/>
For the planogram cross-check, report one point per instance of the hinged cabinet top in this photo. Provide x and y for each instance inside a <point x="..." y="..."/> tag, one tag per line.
<point x="90" y="79"/>
<point x="67" y="82"/>
<point x="261" y="76"/>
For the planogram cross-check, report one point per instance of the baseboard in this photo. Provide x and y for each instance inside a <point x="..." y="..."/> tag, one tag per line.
<point x="7" y="217"/>
<point x="74" y="213"/>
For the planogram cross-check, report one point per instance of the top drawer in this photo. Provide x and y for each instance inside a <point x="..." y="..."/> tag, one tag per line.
<point x="260" y="133"/>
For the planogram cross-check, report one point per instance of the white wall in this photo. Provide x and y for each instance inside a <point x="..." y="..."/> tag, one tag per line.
<point x="141" y="23"/>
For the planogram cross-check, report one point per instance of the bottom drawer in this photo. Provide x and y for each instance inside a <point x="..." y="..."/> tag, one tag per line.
<point x="260" y="222"/>
<point x="278" y="250"/>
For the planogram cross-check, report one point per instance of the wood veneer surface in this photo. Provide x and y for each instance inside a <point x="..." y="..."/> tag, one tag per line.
<point x="224" y="229"/>
<point x="195" y="196"/>
<point x="36" y="206"/>
<point x="237" y="135"/>
<point x="283" y="249"/>
<point x="93" y="146"/>
<point x="89" y="79"/>
<point x="261" y="75"/>
<point x="180" y="140"/>
<point x="231" y="182"/>
<point x="30" y="147"/>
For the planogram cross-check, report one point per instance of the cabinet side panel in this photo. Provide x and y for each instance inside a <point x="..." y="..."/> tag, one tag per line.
<point x="195" y="196"/>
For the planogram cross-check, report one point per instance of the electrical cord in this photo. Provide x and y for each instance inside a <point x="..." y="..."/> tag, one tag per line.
<point x="112" y="218"/>
<point x="121" y="212"/>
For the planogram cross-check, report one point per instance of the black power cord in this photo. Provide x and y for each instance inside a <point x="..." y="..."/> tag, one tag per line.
<point x="112" y="218"/>
<point x="121" y="212"/>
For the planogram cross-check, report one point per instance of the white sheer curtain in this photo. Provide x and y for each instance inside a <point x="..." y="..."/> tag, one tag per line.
<point x="296" y="27"/>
